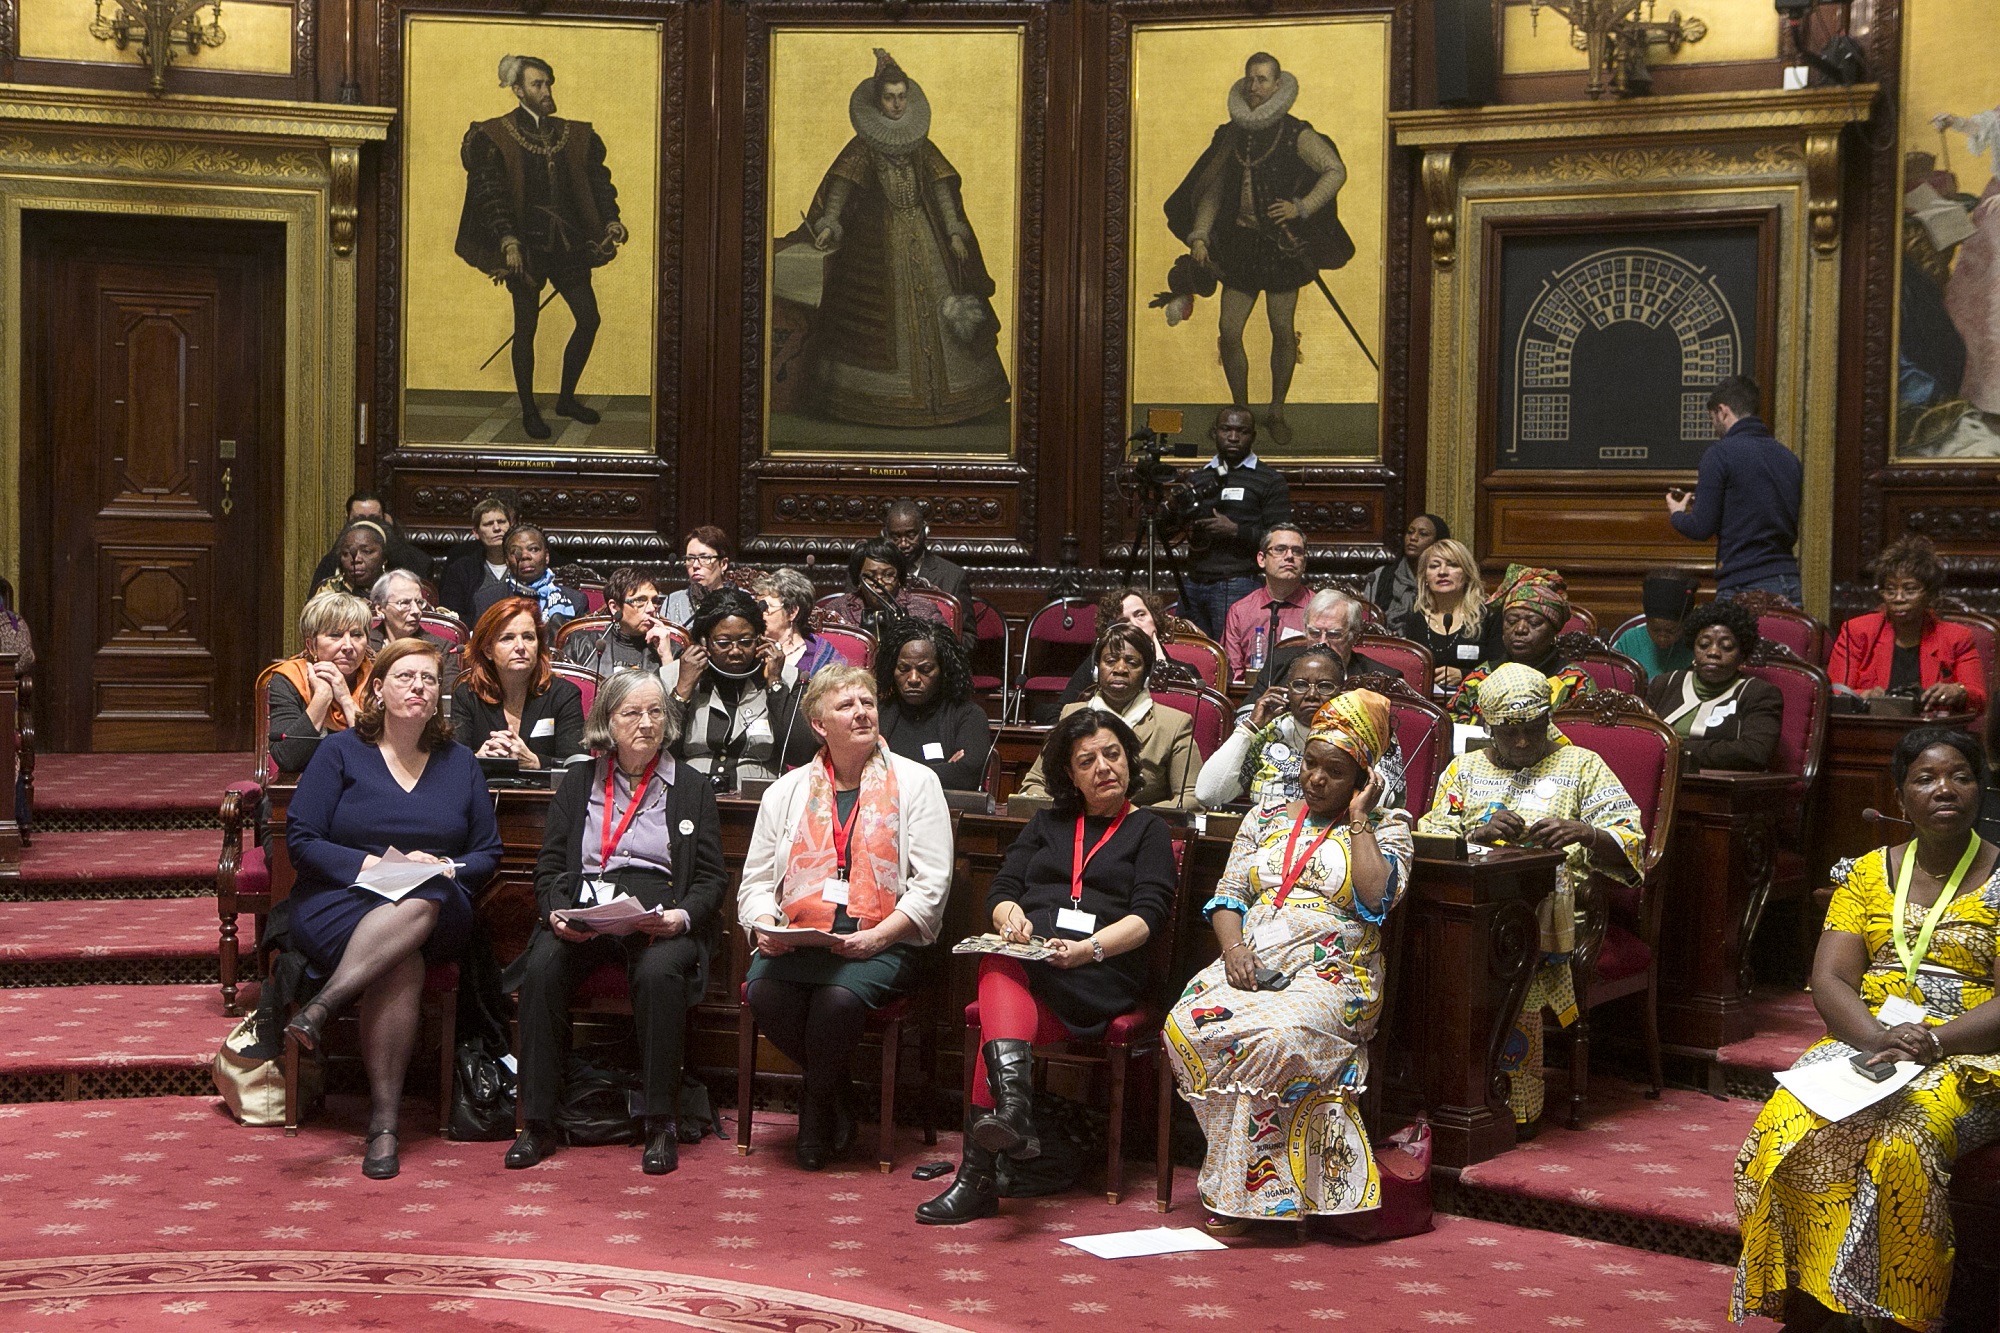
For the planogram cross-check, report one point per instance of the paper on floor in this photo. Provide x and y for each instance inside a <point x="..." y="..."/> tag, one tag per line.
<point x="1832" y="1090"/>
<point x="1152" y="1240"/>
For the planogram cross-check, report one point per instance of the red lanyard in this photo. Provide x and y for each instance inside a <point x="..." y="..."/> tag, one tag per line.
<point x="1292" y="870"/>
<point x="1079" y="859"/>
<point x="612" y="836"/>
<point x="841" y="831"/>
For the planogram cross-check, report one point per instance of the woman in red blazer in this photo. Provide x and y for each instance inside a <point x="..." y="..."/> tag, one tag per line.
<point x="1905" y="643"/>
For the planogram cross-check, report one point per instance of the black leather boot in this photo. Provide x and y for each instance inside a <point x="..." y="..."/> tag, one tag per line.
<point x="663" y="1146"/>
<point x="973" y="1194"/>
<point x="537" y="1141"/>
<point x="1010" y="1126"/>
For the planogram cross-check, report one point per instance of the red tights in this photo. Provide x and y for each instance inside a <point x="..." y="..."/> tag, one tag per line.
<point x="1008" y="1010"/>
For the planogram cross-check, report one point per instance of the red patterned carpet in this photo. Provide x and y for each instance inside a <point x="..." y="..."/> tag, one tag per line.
<point x="132" y="860"/>
<point x="67" y="783"/>
<point x="162" y="1213"/>
<point x="97" y="1027"/>
<point x="1786" y="1022"/>
<point x="107" y="928"/>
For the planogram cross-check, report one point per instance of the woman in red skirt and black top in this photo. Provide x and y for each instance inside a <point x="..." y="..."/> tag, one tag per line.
<point x="1094" y="876"/>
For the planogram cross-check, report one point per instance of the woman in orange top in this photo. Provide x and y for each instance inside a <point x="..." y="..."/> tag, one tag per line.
<point x="1904" y="646"/>
<point x="313" y="695"/>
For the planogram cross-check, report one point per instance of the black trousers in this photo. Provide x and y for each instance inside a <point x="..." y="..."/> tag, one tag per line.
<point x="666" y="976"/>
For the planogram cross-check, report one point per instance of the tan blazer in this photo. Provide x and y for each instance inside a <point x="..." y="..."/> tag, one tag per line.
<point x="1168" y="761"/>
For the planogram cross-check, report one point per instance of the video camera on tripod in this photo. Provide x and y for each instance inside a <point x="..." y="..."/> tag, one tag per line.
<point x="1168" y="496"/>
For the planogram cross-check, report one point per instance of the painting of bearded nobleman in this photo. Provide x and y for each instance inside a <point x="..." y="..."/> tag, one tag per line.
<point x="894" y="200"/>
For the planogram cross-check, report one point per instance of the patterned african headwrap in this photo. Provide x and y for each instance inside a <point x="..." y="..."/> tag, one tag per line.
<point x="1514" y="693"/>
<point x="1541" y="590"/>
<point x="1356" y="722"/>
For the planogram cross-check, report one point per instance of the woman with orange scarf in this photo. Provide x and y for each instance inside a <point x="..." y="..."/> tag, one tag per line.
<point x="313" y="694"/>
<point x="857" y="843"/>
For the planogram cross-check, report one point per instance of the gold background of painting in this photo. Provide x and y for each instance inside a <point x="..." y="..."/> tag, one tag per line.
<point x="260" y="37"/>
<point x="1737" y="30"/>
<point x="1938" y="79"/>
<point x="972" y="79"/>
<point x="1181" y="76"/>
<point x="453" y="315"/>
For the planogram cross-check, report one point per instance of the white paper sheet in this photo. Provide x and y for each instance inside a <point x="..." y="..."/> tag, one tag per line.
<point x="395" y="875"/>
<point x="1152" y="1240"/>
<point x="621" y="916"/>
<point x="1832" y="1090"/>
<point x="801" y="935"/>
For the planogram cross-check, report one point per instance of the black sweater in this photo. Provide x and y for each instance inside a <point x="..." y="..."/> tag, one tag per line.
<point x="698" y="878"/>
<point x="961" y="728"/>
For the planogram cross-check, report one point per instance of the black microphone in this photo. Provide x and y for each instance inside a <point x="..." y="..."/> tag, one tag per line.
<point x="1874" y="816"/>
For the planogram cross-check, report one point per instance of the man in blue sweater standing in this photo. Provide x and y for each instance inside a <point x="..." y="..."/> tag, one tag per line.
<point x="1747" y="497"/>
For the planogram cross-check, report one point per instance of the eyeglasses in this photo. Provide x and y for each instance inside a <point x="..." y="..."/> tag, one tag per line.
<point x="406" y="603"/>
<point x="1318" y="635"/>
<point x="631" y="715"/>
<point x="735" y="641"/>
<point x="1328" y="687"/>
<point x="1284" y="550"/>
<point x="701" y="559"/>
<point x="643" y="599"/>
<point x="1901" y="592"/>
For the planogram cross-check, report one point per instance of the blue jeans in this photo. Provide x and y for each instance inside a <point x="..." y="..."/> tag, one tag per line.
<point x="1209" y="600"/>
<point x="1786" y="586"/>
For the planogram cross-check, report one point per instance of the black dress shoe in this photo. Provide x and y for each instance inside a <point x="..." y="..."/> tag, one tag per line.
<point x="531" y="422"/>
<point x="536" y="1142"/>
<point x="384" y="1166"/>
<point x="576" y="411"/>
<point x="974" y="1194"/>
<point x="308" y="1024"/>
<point x="663" y="1148"/>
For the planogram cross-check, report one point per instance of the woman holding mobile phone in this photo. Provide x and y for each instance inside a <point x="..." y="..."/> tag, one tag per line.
<point x="1272" y="1037"/>
<point x="728" y="705"/>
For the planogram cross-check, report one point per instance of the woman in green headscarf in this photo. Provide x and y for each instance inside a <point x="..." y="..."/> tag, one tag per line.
<point x="1532" y="788"/>
<point x="1272" y="1070"/>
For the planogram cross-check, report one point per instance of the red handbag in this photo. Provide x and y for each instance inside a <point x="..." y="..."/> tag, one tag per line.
<point x="1403" y="1161"/>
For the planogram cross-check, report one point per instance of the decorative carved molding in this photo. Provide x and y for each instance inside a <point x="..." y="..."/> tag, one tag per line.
<point x="824" y="507"/>
<point x="546" y="502"/>
<point x="1630" y="164"/>
<point x="1440" y="172"/>
<point x="760" y="17"/>
<point x="386" y="420"/>
<point x="190" y="116"/>
<point x="1761" y="110"/>
<point x="153" y="158"/>
<point x="1823" y="190"/>
<point x="1955" y="523"/>
<point x="1513" y="943"/>
<point x="1333" y="516"/>
<point x="344" y="200"/>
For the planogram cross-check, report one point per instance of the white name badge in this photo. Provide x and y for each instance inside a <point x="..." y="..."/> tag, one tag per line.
<point x="1546" y="789"/>
<point x="1068" y="918"/>
<point x="1722" y="712"/>
<point x="933" y="750"/>
<point x="1896" y="1010"/>
<point x="834" y="891"/>
<point x="1468" y="652"/>
<point x="1269" y="935"/>
<point x="545" y="727"/>
<point x="760" y="730"/>
<point x="1232" y="492"/>
<point x="598" y="892"/>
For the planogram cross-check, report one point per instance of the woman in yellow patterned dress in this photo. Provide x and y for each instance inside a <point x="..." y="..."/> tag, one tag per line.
<point x="1273" y="1073"/>
<point x="1850" y="1216"/>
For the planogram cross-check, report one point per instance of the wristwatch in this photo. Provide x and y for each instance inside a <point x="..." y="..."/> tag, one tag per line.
<point x="1096" y="949"/>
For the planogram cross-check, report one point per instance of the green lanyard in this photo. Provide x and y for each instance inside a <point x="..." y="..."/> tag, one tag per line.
<point x="1911" y="958"/>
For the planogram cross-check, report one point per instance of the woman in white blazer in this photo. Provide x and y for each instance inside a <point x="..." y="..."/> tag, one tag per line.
<point x="856" y="843"/>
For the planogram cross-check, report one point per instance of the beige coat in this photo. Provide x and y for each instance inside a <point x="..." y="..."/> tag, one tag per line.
<point x="1168" y="761"/>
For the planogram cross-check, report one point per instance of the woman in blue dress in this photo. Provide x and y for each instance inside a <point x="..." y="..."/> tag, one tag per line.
<point x="396" y="779"/>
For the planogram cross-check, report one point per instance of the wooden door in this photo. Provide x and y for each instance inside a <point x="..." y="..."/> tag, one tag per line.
<point x="152" y="446"/>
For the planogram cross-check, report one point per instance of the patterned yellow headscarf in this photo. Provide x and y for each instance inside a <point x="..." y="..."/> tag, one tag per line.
<point x="1356" y="722"/>
<point x="1514" y="693"/>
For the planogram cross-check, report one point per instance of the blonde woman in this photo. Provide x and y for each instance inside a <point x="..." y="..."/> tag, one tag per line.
<point x="314" y="693"/>
<point x="1449" y="614"/>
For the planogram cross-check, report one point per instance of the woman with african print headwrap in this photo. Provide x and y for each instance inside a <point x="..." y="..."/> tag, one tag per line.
<point x="1532" y="788"/>
<point x="1534" y="606"/>
<point x="1264" y="1063"/>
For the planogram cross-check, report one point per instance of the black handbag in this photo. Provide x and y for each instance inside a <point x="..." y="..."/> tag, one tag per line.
<point x="482" y="1098"/>
<point x="596" y="1106"/>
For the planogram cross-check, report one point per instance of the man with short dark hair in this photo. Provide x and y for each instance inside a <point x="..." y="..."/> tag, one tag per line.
<point x="396" y="554"/>
<point x="1237" y="501"/>
<point x="1748" y="498"/>
<point x="904" y="527"/>
<point x="1278" y="608"/>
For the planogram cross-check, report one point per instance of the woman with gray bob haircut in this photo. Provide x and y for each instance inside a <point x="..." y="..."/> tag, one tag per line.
<point x="612" y="696"/>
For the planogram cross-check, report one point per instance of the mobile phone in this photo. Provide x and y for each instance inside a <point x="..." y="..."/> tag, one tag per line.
<point x="931" y="1171"/>
<point x="1270" y="978"/>
<point x="1873" y="1073"/>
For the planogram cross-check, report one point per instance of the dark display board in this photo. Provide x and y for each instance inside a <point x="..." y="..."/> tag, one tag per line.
<point x="1611" y="340"/>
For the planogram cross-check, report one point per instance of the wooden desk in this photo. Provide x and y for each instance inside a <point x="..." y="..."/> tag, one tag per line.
<point x="1719" y="867"/>
<point x="1470" y="945"/>
<point x="1854" y="776"/>
<point x="1019" y="747"/>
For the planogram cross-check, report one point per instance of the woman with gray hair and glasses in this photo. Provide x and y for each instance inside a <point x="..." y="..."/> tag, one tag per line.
<point x="632" y="824"/>
<point x="399" y="602"/>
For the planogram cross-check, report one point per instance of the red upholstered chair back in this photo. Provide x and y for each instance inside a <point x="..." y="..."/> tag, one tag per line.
<point x="594" y="596"/>
<point x="446" y="626"/>
<point x="1630" y="622"/>
<point x="1411" y="660"/>
<point x="1641" y="750"/>
<point x="1808" y="692"/>
<point x="1807" y="638"/>
<point x="1985" y="633"/>
<point x="1210" y="711"/>
<point x="1056" y="642"/>
<point x="990" y="653"/>
<point x="832" y="605"/>
<point x="266" y="771"/>
<point x="585" y="680"/>
<point x="1608" y="670"/>
<point x="947" y="606"/>
<point x="1193" y="649"/>
<point x="856" y="646"/>
<point x="594" y="620"/>
<point x="1423" y="730"/>
<point x="1580" y="620"/>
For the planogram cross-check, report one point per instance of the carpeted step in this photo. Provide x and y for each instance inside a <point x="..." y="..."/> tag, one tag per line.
<point x="64" y="1043"/>
<point x="1787" y="1023"/>
<point x="83" y="792"/>
<point x="1653" y="1174"/>
<point x="142" y="863"/>
<point x="108" y="941"/>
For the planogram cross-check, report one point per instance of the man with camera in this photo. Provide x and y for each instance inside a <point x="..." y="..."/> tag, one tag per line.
<point x="1236" y="501"/>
